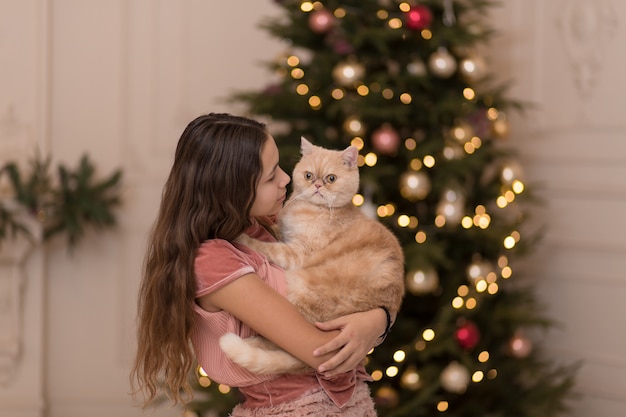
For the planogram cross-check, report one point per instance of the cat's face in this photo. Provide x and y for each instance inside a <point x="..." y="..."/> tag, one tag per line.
<point x="326" y="177"/>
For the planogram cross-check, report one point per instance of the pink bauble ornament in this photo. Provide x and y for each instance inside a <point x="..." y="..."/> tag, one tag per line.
<point x="467" y="335"/>
<point x="342" y="47"/>
<point x="520" y="346"/>
<point x="321" y="21"/>
<point x="480" y="123"/>
<point x="418" y="17"/>
<point x="386" y="140"/>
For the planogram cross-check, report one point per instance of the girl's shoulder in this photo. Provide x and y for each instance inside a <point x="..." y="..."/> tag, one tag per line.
<point x="219" y="261"/>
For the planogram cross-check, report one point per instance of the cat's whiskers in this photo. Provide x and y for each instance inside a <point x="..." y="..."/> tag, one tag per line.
<point x="295" y="196"/>
<point x="331" y="207"/>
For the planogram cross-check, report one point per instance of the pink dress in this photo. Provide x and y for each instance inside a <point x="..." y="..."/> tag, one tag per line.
<point x="219" y="262"/>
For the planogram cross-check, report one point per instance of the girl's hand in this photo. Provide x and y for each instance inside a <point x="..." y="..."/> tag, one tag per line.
<point x="359" y="332"/>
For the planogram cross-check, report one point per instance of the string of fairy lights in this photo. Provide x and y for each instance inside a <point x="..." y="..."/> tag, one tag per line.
<point x="462" y="140"/>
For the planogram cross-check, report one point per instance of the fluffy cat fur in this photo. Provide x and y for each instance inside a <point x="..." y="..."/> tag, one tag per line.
<point x="337" y="260"/>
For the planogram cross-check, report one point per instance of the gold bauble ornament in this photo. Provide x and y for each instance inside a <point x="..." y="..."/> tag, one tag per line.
<point x="411" y="379"/>
<point x="462" y="132"/>
<point x="353" y="126"/>
<point x="500" y="127"/>
<point x="473" y="68"/>
<point x="348" y="72"/>
<point x="478" y="271"/>
<point x="386" y="397"/>
<point x="422" y="281"/>
<point x="414" y="185"/>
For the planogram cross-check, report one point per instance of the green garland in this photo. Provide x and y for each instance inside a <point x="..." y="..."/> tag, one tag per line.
<point x="67" y="203"/>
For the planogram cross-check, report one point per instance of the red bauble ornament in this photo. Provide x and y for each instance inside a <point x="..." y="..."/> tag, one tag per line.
<point x="467" y="335"/>
<point x="418" y="17"/>
<point x="386" y="140"/>
<point x="321" y="21"/>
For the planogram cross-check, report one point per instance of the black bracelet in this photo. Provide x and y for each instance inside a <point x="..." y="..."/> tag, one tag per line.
<point x="388" y="328"/>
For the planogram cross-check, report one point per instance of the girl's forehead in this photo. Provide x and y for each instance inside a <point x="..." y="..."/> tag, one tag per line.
<point x="269" y="154"/>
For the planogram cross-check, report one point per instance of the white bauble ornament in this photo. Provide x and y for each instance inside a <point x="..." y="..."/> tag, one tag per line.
<point x="416" y="67"/>
<point x="452" y="205"/>
<point x="442" y="63"/>
<point x="453" y="150"/>
<point x="478" y="271"/>
<point x="511" y="171"/>
<point x="455" y="378"/>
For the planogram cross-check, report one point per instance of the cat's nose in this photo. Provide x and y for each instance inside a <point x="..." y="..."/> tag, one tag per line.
<point x="318" y="186"/>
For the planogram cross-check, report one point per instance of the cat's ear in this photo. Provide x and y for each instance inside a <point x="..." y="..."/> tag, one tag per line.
<point x="306" y="147"/>
<point x="350" y="156"/>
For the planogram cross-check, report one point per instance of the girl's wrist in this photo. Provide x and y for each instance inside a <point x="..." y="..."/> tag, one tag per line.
<point x="388" y="324"/>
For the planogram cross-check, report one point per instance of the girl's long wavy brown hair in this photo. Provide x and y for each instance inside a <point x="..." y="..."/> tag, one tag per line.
<point x="209" y="193"/>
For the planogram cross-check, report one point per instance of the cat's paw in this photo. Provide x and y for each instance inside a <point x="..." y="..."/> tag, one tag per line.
<point x="244" y="239"/>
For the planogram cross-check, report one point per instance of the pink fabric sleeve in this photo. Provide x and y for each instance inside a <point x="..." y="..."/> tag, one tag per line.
<point x="218" y="263"/>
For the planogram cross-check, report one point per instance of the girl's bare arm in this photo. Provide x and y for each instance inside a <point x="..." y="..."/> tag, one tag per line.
<point x="270" y="314"/>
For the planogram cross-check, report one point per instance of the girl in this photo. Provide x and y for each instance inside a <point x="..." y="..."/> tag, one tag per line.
<point x="198" y="284"/>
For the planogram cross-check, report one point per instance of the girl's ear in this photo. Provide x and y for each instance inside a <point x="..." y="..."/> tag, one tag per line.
<point x="306" y="147"/>
<point x="350" y="156"/>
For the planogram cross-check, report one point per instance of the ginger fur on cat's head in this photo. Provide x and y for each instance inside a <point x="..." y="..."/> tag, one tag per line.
<point x="326" y="177"/>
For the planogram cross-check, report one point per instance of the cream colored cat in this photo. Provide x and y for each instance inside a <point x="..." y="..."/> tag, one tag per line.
<point x="337" y="260"/>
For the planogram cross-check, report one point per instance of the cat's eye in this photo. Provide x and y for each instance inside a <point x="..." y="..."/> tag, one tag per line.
<point x="309" y="176"/>
<point x="330" y="178"/>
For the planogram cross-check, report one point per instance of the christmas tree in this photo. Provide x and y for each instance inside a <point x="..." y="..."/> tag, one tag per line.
<point x="406" y="83"/>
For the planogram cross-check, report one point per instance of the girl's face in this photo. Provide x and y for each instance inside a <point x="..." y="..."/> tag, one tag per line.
<point x="272" y="187"/>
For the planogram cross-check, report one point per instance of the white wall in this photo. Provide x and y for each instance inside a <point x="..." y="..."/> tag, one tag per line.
<point x="120" y="79"/>
<point x="567" y="57"/>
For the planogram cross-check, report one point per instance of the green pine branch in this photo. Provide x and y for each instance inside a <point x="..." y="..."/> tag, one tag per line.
<point x="67" y="203"/>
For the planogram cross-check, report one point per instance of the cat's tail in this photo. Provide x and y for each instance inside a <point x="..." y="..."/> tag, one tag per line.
<point x="259" y="355"/>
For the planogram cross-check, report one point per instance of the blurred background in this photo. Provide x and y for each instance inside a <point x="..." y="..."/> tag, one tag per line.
<point x="118" y="80"/>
